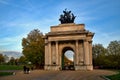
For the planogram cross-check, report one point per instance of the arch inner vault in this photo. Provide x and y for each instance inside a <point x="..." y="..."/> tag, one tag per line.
<point x="67" y="59"/>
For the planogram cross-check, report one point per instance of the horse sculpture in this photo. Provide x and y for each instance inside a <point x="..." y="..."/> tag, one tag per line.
<point x="67" y="17"/>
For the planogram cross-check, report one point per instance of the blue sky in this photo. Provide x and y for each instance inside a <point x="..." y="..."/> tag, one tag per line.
<point x="19" y="17"/>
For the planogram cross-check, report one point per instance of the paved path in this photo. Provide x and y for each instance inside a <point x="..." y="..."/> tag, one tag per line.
<point x="59" y="75"/>
<point x="10" y="70"/>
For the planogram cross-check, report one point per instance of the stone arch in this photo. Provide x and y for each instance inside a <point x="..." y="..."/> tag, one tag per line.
<point x="69" y="66"/>
<point x="68" y="36"/>
<point x="68" y="46"/>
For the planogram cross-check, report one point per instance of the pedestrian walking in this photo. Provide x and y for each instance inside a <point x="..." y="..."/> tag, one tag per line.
<point x="24" y="69"/>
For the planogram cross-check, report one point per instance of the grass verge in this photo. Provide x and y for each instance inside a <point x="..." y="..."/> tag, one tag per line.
<point x="114" y="77"/>
<point x="6" y="73"/>
<point x="11" y="67"/>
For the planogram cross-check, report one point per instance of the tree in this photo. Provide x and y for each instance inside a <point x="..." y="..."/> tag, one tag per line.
<point x="22" y="60"/>
<point x="6" y="58"/>
<point x="114" y="48"/>
<point x="99" y="55"/>
<point x="2" y="59"/>
<point x="33" y="48"/>
<point x="107" y="57"/>
<point x="12" y="61"/>
<point x="114" y="53"/>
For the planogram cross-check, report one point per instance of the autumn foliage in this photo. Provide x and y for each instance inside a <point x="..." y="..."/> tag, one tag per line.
<point x="33" y="48"/>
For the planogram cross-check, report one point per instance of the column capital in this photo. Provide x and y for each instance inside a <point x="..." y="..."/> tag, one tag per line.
<point x="85" y="40"/>
<point x="90" y="41"/>
<point x="56" y="42"/>
<point x="76" y="40"/>
<point x="49" y="41"/>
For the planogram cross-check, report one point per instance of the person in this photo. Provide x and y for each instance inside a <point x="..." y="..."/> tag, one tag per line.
<point x="32" y="68"/>
<point x="28" y="70"/>
<point x="24" y="69"/>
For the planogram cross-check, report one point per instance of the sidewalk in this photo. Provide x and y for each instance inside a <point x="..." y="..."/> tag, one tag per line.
<point x="10" y="70"/>
<point x="59" y="75"/>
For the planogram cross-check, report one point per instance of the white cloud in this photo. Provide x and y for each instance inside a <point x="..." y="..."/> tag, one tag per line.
<point x="12" y="43"/>
<point x="11" y="3"/>
<point x="27" y="20"/>
<point x="3" y="2"/>
<point x="69" y="54"/>
<point x="12" y="54"/>
<point x="104" y="37"/>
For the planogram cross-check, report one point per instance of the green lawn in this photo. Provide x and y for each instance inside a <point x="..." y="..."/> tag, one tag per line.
<point x="11" y="67"/>
<point x="114" y="77"/>
<point x="6" y="73"/>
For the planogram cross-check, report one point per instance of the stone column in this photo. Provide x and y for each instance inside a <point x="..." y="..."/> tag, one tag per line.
<point x="57" y="52"/>
<point x="49" y="57"/>
<point x="86" y="52"/>
<point x="46" y="55"/>
<point x="90" y="51"/>
<point x="76" y="54"/>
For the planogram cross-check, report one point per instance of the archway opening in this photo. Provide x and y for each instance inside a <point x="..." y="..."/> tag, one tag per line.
<point x="68" y="59"/>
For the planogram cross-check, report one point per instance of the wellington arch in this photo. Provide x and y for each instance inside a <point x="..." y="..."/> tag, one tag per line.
<point x="68" y="36"/>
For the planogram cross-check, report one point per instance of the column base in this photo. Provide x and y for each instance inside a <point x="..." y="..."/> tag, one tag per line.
<point x="52" y="67"/>
<point x="78" y="67"/>
<point x="84" y="67"/>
